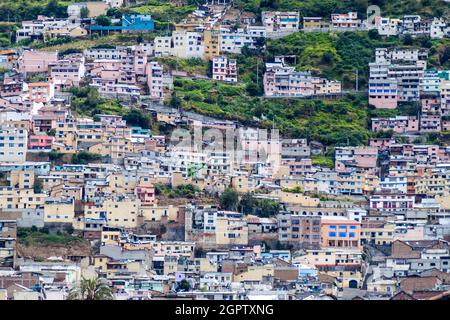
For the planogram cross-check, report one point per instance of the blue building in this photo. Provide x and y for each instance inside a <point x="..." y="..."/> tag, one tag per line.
<point x="130" y="23"/>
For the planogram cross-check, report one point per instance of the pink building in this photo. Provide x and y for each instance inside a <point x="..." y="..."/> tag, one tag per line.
<point x="445" y="124"/>
<point x="224" y="69"/>
<point x="430" y="123"/>
<point x="111" y="120"/>
<point x="37" y="61"/>
<point x="146" y="193"/>
<point x="345" y="20"/>
<point x="383" y="91"/>
<point x="111" y="67"/>
<point x="445" y="97"/>
<point x="40" y="142"/>
<point x="68" y="72"/>
<point x="113" y="89"/>
<point x="359" y="158"/>
<point x="430" y="105"/>
<point x="398" y="124"/>
<point x="381" y="143"/>
<point x="133" y="63"/>
<point x="298" y="167"/>
<point x="444" y="154"/>
<point x="139" y="60"/>
<point x="280" y="80"/>
<point x="420" y="154"/>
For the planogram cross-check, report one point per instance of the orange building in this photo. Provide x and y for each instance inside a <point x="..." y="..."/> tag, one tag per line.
<point x="340" y="232"/>
<point x="41" y="91"/>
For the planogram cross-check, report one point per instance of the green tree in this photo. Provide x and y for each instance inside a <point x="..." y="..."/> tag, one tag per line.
<point x="91" y="289"/>
<point x="137" y="118"/>
<point x="445" y="55"/>
<point x="84" y="12"/>
<point x="229" y="199"/>
<point x="114" y="13"/>
<point x="103" y="20"/>
<point x="174" y="102"/>
<point x="253" y="89"/>
<point x="37" y="186"/>
<point x="84" y="157"/>
<point x="54" y="9"/>
<point x="247" y="203"/>
<point x="184" y="285"/>
<point x="408" y="40"/>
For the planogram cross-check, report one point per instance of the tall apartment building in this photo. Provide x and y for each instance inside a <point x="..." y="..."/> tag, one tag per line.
<point x="445" y="97"/>
<point x="224" y="69"/>
<point x="211" y="40"/>
<point x="13" y="145"/>
<point x="304" y="230"/>
<point x="396" y="76"/>
<point x="41" y="91"/>
<point x="155" y="80"/>
<point x="68" y="72"/>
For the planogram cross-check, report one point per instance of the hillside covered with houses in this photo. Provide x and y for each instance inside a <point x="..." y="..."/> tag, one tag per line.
<point x="225" y="149"/>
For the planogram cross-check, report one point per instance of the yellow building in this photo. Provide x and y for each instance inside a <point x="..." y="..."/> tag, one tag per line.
<point x="312" y="23"/>
<point x="255" y="273"/>
<point x="244" y="184"/>
<point x="307" y="185"/>
<point x="358" y="183"/>
<point x="330" y="257"/>
<point x="231" y="231"/>
<point x="434" y="184"/>
<point x="377" y="233"/>
<point x="299" y="199"/>
<point x="156" y="213"/>
<point x="211" y="43"/>
<point x="123" y="213"/>
<point x="11" y="198"/>
<point x="110" y="236"/>
<point x="21" y="179"/>
<point x="346" y="278"/>
<point x="65" y="137"/>
<point x="59" y="211"/>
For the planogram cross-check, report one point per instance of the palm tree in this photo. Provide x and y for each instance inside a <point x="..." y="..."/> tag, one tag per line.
<point x="91" y="289"/>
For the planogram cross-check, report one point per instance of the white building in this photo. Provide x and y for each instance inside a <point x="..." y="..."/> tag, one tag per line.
<point x="280" y="21"/>
<point x="155" y="80"/>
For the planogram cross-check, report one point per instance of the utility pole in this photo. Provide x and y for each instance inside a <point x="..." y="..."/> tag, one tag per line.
<point x="357" y="84"/>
